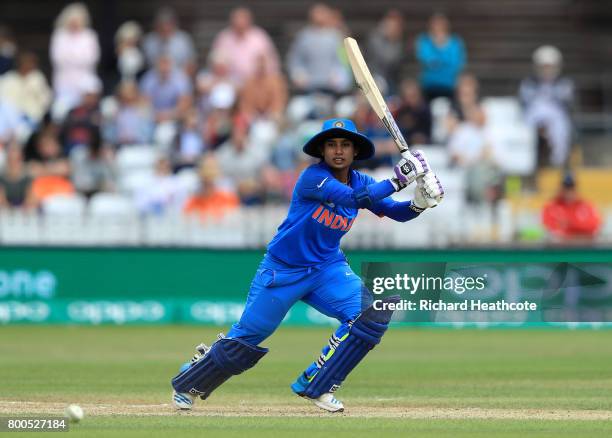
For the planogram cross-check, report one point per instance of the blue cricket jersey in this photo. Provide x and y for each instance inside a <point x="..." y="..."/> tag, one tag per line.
<point x="323" y="210"/>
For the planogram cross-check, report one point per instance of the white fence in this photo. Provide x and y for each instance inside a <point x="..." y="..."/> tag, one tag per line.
<point x="448" y="224"/>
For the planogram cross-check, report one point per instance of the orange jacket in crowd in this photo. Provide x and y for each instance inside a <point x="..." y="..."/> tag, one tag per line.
<point x="215" y="204"/>
<point x="571" y="218"/>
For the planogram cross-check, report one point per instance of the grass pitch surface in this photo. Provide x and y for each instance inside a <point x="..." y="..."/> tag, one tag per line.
<point x="417" y="382"/>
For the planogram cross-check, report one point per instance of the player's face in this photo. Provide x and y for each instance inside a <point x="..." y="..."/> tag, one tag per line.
<point x="338" y="153"/>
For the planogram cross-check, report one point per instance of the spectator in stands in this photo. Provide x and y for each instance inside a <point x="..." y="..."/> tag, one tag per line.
<point x="385" y="50"/>
<point x="168" y="89"/>
<point x="165" y="193"/>
<point x="242" y="162"/>
<point x="130" y="60"/>
<point x="208" y="79"/>
<point x="218" y="123"/>
<point x="470" y="147"/>
<point x="169" y="40"/>
<point x="287" y="159"/>
<point x="467" y="97"/>
<point x="210" y="201"/>
<point x="83" y="122"/>
<point x="467" y="100"/>
<point x="313" y="61"/>
<point x="49" y="167"/>
<point x="8" y="49"/>
<point x="338" y="22"/>
<point x="413" y="115"/>
<point x="15" y="182"/>
<point x="10" y="122"/>
<point x="242" y="43"/>
<point x="92" y="167"/>
<point x="468" y="141"/>
<point x="75" y="53"/>
<point x="442" y="57"/>
<point x="264" y="95"/>
<point x="547" y="98"/>
<point x="569" y="217"/>
<point x="26" y="89"/>
<point x="133" y="122"/>
<point x="191" y="144"/>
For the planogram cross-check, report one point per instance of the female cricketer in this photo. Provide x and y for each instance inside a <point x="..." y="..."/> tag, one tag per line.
<point x="304" y="262"/>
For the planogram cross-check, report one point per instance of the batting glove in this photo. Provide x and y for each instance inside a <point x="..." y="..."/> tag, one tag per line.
<point x="428" y="192"/>
<point x="412" y="165"/>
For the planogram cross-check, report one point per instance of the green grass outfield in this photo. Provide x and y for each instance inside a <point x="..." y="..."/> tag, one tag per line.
<point x="430" y="382"/>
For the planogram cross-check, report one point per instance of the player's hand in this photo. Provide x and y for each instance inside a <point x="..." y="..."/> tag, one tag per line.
<point x="428" y="192"/>
<point x="412" y="165"/>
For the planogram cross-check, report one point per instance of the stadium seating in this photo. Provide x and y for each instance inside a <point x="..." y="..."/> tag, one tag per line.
<point x="72" y="205"/>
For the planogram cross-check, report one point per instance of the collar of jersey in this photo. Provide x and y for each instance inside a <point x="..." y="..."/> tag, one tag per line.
<point x="329" y="169"/>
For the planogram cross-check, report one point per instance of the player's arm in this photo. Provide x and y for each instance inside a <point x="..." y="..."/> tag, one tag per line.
<point x="325" y="188"/>
<point x="396" y="210"/>
<point x="428" y="186"/>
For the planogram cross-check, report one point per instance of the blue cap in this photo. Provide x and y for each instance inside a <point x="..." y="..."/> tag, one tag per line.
<point x="340" y="128"/>
<point x="568" y="181"/>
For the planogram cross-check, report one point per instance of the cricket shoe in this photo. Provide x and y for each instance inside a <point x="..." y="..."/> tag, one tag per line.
<point x="328" y="402"/>
<point x="183" y="401"/>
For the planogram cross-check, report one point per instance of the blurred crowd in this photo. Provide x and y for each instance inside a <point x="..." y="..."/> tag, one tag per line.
<point x="227" y="126"/>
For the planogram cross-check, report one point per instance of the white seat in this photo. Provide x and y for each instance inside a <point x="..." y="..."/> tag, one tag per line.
<point x="440" y="109"/>
<point x="453" y="181"/>
<point x="437" y="156"/>
<point x="298" y="108"/>
<point x="189" y="179"/>
<point x="135" y="157"/>
<point x="513" y="141"/>
<point x="64" y="205"/>
<point x="135" y="180"/>
<point x="514" y="148"/>
<point x="111" y="205"/>
<point x="502" y="110"/>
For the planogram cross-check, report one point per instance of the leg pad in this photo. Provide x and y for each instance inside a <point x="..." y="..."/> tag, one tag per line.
<point x="365" y="333"/>
<point x="226" y="358"/>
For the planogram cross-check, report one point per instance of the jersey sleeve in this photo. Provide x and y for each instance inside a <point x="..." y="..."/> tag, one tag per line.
<point x="396" y="210"/>
<point x="322" y="186"/>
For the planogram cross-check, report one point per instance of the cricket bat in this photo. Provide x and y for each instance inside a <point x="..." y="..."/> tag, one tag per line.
<point x="368" y="87"/>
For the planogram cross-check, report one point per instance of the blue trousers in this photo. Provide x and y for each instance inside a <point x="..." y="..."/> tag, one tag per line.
<point x="332" y="288"/>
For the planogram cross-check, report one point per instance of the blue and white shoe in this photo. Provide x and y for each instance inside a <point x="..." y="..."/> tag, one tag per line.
<point x="328" y="403"/>
<point x="182" y="401"/>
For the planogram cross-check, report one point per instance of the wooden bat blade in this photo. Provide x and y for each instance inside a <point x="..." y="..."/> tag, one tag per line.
<point x="365" y="82"/>
<point x="363" y="77"/>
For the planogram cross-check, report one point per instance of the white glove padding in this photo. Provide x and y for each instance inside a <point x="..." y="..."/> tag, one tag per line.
<point x="412" y="165"/>
<point x="428" y="192"/>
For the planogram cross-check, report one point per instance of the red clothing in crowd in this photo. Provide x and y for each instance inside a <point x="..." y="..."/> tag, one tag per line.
<point x="571" y="218"/>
